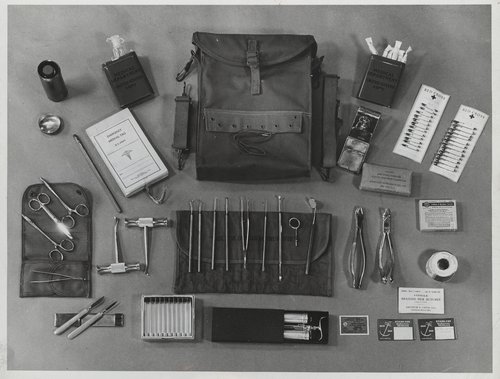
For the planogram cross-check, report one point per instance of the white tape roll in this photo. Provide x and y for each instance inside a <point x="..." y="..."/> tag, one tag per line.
<point x="441" y="266"/>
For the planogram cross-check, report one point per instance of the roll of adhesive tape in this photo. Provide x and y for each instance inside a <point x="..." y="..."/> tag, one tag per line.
<point x="441" y="266"/>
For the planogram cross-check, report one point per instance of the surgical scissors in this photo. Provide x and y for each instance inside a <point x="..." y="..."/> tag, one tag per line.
<point x="40" y="202"/>
<point x="386" y="261"/>
<point x="80" y="209"/>
<point x="65" y="245"/>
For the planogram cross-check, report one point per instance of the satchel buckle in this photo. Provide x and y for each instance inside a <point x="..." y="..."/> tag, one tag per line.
<point x="253" y="63"/>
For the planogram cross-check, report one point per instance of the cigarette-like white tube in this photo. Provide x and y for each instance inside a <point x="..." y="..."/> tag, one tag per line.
<point x="369" y="42"/>
<point x="387" y="50"/>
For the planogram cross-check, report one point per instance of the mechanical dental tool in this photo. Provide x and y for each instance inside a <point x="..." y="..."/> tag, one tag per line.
<point x="227" y="232"/>
<point x="386" y="255"/>
<point x="357" y="256"/>
<point x="78" y="316"/>
<point x="65" y="245"/>
<point x="280" y="237"/>
<point x="91" y="321"/>
<point x="245" y="228"/>
<point x="264" y="238"/>
<point x="199" y="235"/>
<point x="117" y="267"/>
<point x="40" y="202"/>
<point x="80" y="209"/>
<point x="147" y="223"/>
<point x="313" y="205"/>
<point x="213" y="233"/>
<point x="191" y="221"/>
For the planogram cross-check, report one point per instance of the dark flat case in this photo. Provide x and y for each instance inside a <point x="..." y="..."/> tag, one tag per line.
<point x="258" y="325"/>
<point x="128" y="80"/>
<point x="381" y="80"/>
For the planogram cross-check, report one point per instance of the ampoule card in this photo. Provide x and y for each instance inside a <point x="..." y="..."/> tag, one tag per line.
<point x="421" y="123"/>
<point x="437" y="329"/>
<point x="458" y="142"/>
<point x="395" y="330"/>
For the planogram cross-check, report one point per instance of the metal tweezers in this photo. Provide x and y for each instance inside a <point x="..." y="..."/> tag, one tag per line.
<point x="59" y="277"/>
<point x="386" y="259"/>
<point x="357" y="257"/>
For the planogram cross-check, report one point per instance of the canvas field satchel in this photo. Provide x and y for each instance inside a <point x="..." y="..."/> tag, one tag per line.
<point x="254" y="105"/>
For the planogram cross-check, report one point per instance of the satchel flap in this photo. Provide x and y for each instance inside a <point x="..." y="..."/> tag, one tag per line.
<point x="222" y="120"/>
<point x="272" y="48"/>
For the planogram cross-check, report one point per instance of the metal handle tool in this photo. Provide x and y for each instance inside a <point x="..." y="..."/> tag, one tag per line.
<point x="264" y="238"/>
<point x="214" y="221"/>
<point x="191" y="220"/>
<point x="91" y="321"/>
<point x="227" y="233"/>
<point x="96" y="172"/>
<point x="78" y="316"/>
<point x="80" y="209"/>
<point x="312" y="203"/>
<point x="199" y="236"/>
<point x="117" y="267"/>
<point x="386" y="255"/>
<point x="357" y="256"/>
<point x="60" y="277"/>
<point x="65" y="245"/>
<point x="245" y="224"/>
<point x="147" y="223"/>
<point x="280" y="238"/>
<point x="41" y="202"/>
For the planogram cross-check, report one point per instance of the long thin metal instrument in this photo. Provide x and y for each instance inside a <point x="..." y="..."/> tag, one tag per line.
<point x="190" y="251"/>
<point x="280" y="238"/>
<point x="213" y="233"/>
<point x="313" y="205"/>
<point x="264" y="238"/>
<point x="96" y="172"/>
<point x="227" y="233"/>
<point x="91" y="321"/>
<point x="199" y="236"/>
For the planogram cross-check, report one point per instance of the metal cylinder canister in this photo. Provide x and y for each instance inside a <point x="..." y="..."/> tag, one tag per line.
<point x="52" y="80"/>
<point x="441" y="266"/>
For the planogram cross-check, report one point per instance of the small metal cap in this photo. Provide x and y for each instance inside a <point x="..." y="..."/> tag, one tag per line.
<point x="50" y="124"/>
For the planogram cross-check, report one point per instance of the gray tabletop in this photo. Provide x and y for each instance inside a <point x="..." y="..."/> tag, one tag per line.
<point x="452" y="52"/>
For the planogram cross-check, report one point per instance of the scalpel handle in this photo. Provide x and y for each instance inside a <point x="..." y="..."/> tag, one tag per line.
<point x="70" y="322"/>
<point x="87" y="324"/>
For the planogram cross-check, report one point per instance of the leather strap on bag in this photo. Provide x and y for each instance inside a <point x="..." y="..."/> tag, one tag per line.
<point x="180" y="145"/>
<point x="253" y="63"/>
<point x="330" y="107"/>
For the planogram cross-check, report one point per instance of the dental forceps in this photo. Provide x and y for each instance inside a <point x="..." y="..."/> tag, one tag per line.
<point x="40" y="202"/>
<point x="386" y="259"/>
<point x="80" y="209"/>
<point x="65" y="245"/>
<point x="357" y="256"/>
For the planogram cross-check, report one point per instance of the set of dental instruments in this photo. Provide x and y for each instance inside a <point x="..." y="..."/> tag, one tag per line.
<point x="392" y="52"/>
<point x="246" y="230"/>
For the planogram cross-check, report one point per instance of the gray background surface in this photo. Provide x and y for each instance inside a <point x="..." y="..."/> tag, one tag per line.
<point x="452" y="52"/>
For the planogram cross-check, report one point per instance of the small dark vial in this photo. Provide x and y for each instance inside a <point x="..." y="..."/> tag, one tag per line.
<point x="52" y="80"/>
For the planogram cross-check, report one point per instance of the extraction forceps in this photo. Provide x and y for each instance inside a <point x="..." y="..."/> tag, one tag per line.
<point x="65" y="245"/>
<point x="80" y="209"/>
<point x="357" y="256"/>
<point x="40" y="202"/>
<point x="386" y="258"/>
